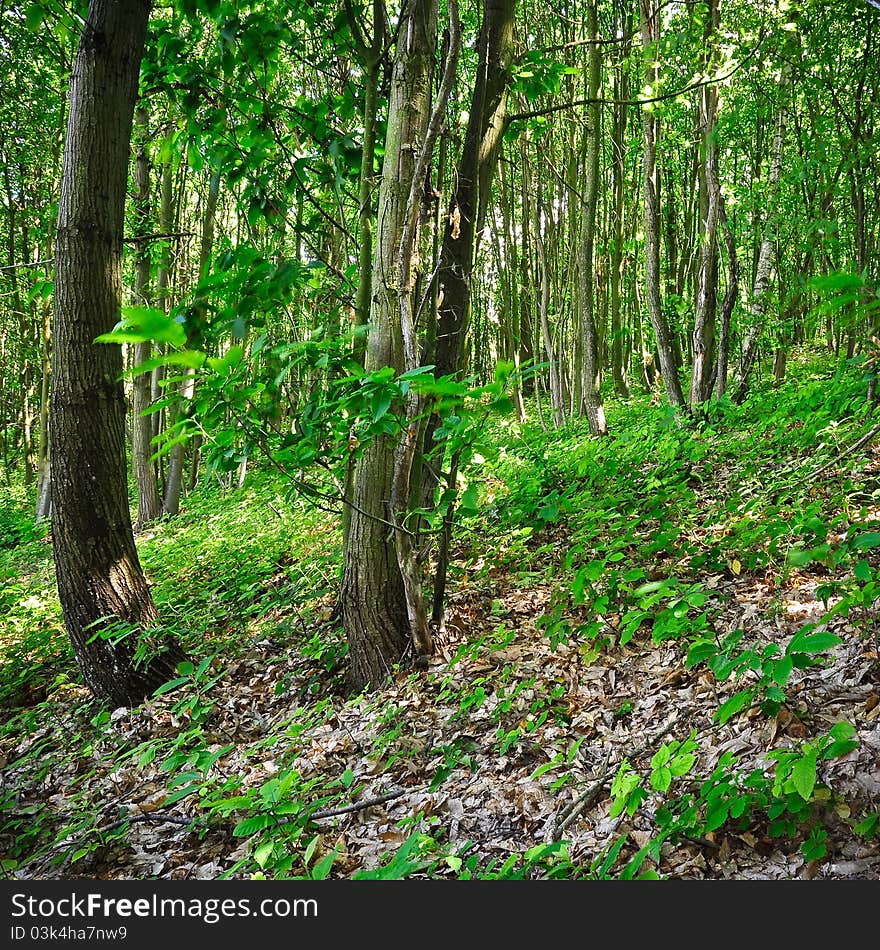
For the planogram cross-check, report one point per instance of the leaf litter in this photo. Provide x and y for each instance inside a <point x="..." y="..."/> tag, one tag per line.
<point x="491" y="748"/>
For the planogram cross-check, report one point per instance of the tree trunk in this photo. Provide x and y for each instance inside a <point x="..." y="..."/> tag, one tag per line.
<point x="618" y="149"/>
<point x="479" y="158"/>
<point x="731" y="296"/>
<point x="758" y="304"/>
<point x="669" y="363"/>
<point x="707" y="282"/>
<point x="590" y="388"/>
<point x="100" y="582"/>
<point x="373" y="598"/>
<point x="174" y="482"/>
<point x="149" y="502"/>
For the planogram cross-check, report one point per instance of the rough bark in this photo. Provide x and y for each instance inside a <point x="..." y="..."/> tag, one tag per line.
<point x="373" y="599"/>
<point x="100" y="581"/>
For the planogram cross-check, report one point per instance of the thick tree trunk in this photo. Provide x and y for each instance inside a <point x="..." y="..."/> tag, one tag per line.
<point x="373" y="597"/>
<point x="100" y="582"/>
<point x="666" y="350"/>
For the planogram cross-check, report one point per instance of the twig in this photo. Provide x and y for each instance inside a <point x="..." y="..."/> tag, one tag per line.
<point x="583" y="801"/>
<point x="861" y="443"/>
<point x="358" y="806"/>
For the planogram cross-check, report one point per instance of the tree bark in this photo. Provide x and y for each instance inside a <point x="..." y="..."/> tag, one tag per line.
<point x="760" y="289"/>
<point x="618" y="149"/>
<point x="149" y="502"/>
<point x="100" y="582"/>
<point x="591" y="369"/>
<point x="373" y="597"/>
<point x="707" y="281"/>
<point x="731" y="296"/>
<point x="669" y="363"/>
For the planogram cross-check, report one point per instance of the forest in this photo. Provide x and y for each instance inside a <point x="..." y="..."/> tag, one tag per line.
<point x="439" y="439"/>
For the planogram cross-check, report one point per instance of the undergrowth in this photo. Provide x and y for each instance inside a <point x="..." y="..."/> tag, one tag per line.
<point x="631" y="535"/>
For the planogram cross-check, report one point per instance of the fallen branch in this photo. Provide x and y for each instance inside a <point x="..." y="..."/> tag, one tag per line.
<point x="860" y="444"/>
<point x="583" y="801"/>
<point x="160" y="819"/>
<point x="359" y="806"/>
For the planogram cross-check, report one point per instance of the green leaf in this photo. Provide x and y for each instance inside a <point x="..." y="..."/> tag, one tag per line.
<point x="470" y="499"/>
<point x="803" y="642"/>
<point x="862" y="571"/>
<point x="868" y="826"/>
<point x="381" y="403"/>
<point x="263" y="853"/>
<point x="141" y="324"/>
<point x="803" y="775"/>
<point x="661" y="779"/>
<point x="701" y="650"/>
<point x="682" y="764"/>
<point x="34" y="17"/>
<point x="842" y="730"/>
<point x="249" y="826"/>
<point x="321" y="871"/>
<point x="170" y="685"/>
<point x="737" y="703"/>
<point x="782" y="670"/>
<point x="869" y="540"/>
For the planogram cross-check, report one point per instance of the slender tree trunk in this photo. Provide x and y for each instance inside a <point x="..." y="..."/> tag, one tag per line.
<point x="163" y="277"/>
<point x="177" y="455"/>
<point x="618" y="148"/>
<point x="760" y="290"/>
<point x="43" y="480"/>
<point x="98" y="572"/>
<point x="707" y="282"/>
<point x="592" y="395"/>
<point x="669" y="363"/>
<point x="149" y="502"/>
<point x="479" y="158"/>
<point x="731" y="296"/>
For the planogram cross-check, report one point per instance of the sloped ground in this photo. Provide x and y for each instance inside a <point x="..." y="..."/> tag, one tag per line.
<point x="406" y="739"/>
<point x="481" y="764"/>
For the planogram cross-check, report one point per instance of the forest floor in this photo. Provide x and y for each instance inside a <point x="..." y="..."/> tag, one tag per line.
<point x="605" y="604"/>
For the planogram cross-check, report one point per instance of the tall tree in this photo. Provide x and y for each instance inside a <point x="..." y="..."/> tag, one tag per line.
<point x="149" y="502"/>
<point x="461" y="233"/>
<point x="100" y="580"/>
<point x="666" y="350"/>
<point x="373" y="596"/>
<point x="589" y="333"/>
<point x="710" y="189"/>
